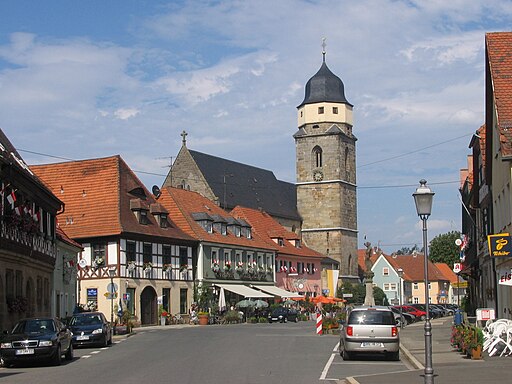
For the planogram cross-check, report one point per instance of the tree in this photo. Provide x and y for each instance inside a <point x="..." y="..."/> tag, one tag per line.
<point x="407" y="250"/>
<point x="443" y="248"/>
<point x="358" y="292"/>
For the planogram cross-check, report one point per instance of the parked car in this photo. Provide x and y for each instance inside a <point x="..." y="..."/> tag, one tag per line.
<point x="283" y="315"/>
<point x="369" y="330"/>
<point x="406" y="318"/>
<point x="90" y="328"/>
<point x="418" y="313"/>
<point x="36" y="339"/>
<point x="433" y="312"/>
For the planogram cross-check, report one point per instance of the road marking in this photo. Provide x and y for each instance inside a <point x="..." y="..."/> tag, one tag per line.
<point x="95" y="352"/>
<point x="327" y="366"/>
<point x="85" y="356"/>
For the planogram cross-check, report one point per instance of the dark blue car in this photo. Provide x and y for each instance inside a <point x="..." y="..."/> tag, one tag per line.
<point x="90" y="328"/>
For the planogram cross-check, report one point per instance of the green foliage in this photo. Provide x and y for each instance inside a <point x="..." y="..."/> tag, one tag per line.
<point x="443" y="249"/>
<point x="203" y="296"/>
<point x="358" y="292"/>
<point x="231" y="317"/>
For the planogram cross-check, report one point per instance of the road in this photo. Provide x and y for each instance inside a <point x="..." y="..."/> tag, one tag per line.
<point x="219" y="354"/>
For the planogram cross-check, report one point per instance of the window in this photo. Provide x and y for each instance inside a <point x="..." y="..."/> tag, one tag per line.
<point x="227" y="257"/>
<point x="317" y="156"/>
<point x="131" y="251"/>
<point x="99" y="251"/>
<point x="386" y="287"/>
<point x="416" y="300"/>
<point x="9" y="284"/>
<point x="392" y="287"/>
<point x="166" y="254"/>
<point x="335" y="110"/>
<point x="147" y="253"/>
<point x="280" y="241"/>
<point x="320" y="110"/>
<point x="183" y="256"/>
<point x="166" y="299"/>
<point x="429" y="286"/>
<point x="385" y="271"/>
<point x="415" y="286"/>
<point x="163" y="221"/>
<point x="143" y="218"/>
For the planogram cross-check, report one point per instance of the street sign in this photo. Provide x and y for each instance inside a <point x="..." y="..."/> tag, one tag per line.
<point x="457" y="267"/>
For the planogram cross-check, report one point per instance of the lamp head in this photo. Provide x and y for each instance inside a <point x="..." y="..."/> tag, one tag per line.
<point x="423" y="199"/>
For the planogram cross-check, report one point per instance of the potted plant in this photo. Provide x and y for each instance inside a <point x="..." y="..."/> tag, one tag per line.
<point x="203" y="318"/>
<point x="162" y="312"/>
<point x="474" y="341"/>
<point x="147" y="266"/>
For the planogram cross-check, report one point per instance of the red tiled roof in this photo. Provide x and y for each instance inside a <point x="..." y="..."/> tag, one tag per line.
<point x="61" y="235"/>
<point x="499" y="53"/>
<point x="268" y="228"/>
<point x="361" y="258"/>
<point x="447" y="272"/>
<point x="413" y="267"/>
<point x="181" y="204"/>
<point x="97" y="195"/>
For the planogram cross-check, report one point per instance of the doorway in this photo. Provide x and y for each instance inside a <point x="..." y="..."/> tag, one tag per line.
<point x="148" y="307"/>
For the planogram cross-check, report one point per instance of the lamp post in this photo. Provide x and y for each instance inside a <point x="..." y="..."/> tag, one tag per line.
<point x="112" y="273"/>
<point x="423" y="199"/>
<point x="400" y="273"/>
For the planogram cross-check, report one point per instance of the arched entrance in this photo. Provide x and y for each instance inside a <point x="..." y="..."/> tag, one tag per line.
<point x="148" y="307"/>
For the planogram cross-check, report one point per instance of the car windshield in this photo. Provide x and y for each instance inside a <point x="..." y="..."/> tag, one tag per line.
<point x="371" y="317"/>
<point x="85" y="320"/>
<point x="34" y="326"/>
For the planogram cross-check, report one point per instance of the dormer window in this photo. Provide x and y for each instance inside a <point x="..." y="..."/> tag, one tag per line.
<point x="234" y="226"/>
<point x="204" y="220"/>
<point x="143" y="217"/>
<point x="140" y="210"/>
<point x="220" y="225"/>
<point x="297" y="243"/>
<point x="280" y="241"/>
<point x="160" y="214"/>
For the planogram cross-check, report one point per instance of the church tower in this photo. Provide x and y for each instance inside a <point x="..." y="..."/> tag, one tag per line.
<point x="326" y="170"/>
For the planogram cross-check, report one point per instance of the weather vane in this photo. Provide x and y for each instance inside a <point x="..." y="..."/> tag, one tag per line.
<point x="323" y="47"/>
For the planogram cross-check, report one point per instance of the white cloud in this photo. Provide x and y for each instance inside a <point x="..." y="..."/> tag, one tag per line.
<point x="126" y="113"/>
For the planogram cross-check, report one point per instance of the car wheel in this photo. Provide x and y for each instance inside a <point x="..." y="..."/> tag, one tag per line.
<point x="105" y="341"/>
<point x="69" y="353"/>
<point x="110" y="340"/>
<point x="57" y="358"/>
<point x="296" y="320"/>
<point x="346" y="355"/>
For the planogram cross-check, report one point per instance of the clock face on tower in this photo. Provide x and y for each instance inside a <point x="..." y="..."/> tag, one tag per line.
<point x="318" y="175"/>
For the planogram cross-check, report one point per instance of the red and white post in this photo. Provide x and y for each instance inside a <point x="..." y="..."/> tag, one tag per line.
<point x="319" y="323"/>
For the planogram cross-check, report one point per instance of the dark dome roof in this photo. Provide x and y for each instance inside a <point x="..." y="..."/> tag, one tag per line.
<point x="324" y="86"/>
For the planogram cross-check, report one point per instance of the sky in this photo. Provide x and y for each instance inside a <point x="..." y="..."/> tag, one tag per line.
<point x="91" y="79"/>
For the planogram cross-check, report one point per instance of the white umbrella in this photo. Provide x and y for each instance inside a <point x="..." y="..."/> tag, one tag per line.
<point x="222" y="300"/>
<point x="260" y="304"/>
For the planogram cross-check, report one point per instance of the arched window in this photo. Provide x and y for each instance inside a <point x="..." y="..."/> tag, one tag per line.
<point x="317" y="156"/>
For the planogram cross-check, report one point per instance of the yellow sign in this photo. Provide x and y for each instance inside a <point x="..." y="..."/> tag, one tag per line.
<point x="462" y="284"/>
<point x="500" y="245"/>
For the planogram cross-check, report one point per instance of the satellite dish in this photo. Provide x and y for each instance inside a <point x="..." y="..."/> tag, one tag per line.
<point x="156" y="190"/>
<point x="82" y="263"/>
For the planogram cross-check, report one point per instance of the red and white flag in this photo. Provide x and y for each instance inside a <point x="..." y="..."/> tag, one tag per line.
<point x="17" y="210"/>
<point x="11" y="199"/>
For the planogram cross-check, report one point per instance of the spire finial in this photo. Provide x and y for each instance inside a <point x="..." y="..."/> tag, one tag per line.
<point x="184" y="136"/>
<point x="323" y="48"/>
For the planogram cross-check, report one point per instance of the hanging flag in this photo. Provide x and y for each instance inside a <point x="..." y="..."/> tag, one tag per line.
<point x="70" y="263"/>
<point x="17" y="210"/>
<point x="11" y="199"/>
<point x="36" y="216"/>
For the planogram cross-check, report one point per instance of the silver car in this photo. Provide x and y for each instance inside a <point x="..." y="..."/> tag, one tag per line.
<point x="370" y="330"/>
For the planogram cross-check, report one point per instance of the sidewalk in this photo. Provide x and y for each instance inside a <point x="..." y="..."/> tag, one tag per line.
<point x="450" y="366"/>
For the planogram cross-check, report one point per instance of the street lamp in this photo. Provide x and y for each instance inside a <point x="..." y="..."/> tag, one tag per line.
<point x="423" y="199"/>
<point x="400" y="273"/>
<point x="112" y="273"/>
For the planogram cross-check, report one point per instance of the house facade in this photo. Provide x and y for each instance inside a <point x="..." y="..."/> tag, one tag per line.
<point x="231" y="254"/>
<point x="298" y="268"/>
<point x="28" y="242"/>
<point x="133" y="255"/>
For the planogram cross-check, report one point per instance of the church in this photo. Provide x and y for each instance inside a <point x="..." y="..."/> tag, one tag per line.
<point x="322" y="205"/>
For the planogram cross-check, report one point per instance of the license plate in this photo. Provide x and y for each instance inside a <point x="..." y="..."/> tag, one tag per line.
<point x="82" y="338"/>
<point x="27" y="351"/>
<point x="372" y="345"/>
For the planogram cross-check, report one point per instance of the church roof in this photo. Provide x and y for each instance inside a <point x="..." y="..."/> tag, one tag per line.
<point x="324" y="86"/>
<point x="247" y="186"/>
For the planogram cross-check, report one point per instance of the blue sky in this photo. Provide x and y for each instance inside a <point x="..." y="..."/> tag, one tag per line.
<point x="91" y="79"/>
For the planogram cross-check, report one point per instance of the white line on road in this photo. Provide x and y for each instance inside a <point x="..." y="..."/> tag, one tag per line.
<point x="95" y="352"/>
<point x="327" y="366"/>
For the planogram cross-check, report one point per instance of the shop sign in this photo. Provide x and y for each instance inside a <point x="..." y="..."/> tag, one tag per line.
<point x="505" y="278"/>
<point x="500" y="245"/>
